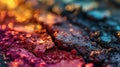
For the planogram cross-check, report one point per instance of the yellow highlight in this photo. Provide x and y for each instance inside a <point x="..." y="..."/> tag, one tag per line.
<point x="69" y="7"/>
<point x="11" y="4"/>
<point x="20" y="9"/>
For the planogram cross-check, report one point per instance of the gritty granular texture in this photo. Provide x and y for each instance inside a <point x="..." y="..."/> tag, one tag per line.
<point x="90" y="39"/>
<point x="36" y="42"/>
<point x="67" y="35"/>
<point x="22" y="58"/>
<point x="23" y="49"/>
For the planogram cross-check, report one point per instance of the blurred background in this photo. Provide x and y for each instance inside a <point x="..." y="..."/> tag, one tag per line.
<point x="23" y="10"/>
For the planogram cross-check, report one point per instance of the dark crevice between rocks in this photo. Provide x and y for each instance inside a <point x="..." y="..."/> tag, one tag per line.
<point x="48" y="32"/>
<point x="53" y="38"/>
